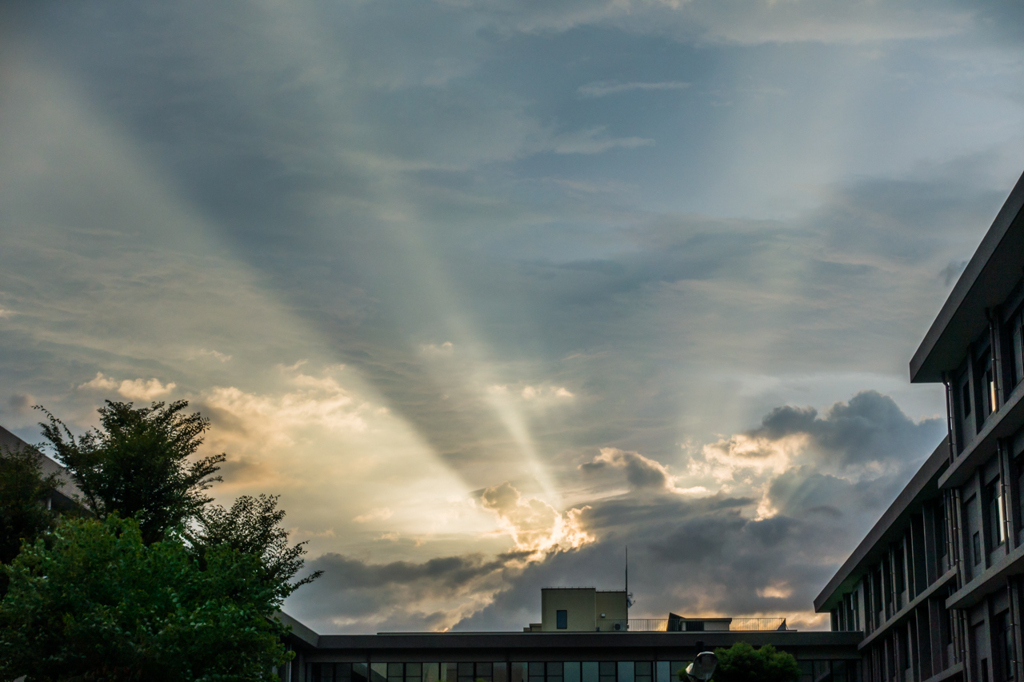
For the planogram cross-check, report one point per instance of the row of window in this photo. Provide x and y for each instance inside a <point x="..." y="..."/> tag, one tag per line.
<point x="540" y="671"/>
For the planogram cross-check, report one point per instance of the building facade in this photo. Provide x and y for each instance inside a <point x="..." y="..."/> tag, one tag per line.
<point x="936" y="586"/>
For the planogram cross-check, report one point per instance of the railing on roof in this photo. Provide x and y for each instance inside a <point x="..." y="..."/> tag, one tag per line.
<point x="712" y="624"/>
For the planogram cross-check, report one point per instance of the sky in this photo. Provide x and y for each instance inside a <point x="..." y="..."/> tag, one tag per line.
<point x="488" y="290"/>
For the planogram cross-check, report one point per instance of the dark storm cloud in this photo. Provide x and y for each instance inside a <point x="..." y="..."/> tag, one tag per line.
<point x="396" y="595"/>
<point x="869" y="428"/>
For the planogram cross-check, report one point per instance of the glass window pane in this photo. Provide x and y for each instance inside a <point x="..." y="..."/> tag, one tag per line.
<point x="663" y="671"/>
<point x="378" y="672"/>
<point x="518" y="672"/>
<point x="678" y="666"/>
<point x="394" y="669"/>
<point x="500" y="672"/>
<point x="589" y="671"/>
<point x="449" y="672"/>
<point x="536" y="669"/>
<point x="465" y="670"/>
<point x="343" y="672"/>
<point x="431" y="672"/>
<point x="555" y="669"/>
<point x="625" y="671"/>
<point x="483" y="670"/>
<point x="643" y="668"/>
<point x="607" y="668"/>
<point x="414" y="669"/>
<point x="571" y="672"/>
<point x="359" y="672"/>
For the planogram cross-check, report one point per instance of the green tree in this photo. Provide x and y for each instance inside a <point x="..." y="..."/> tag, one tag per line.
<point x="24" y="515"/>
<point x="99" y="603"/>
<point x="743" y="663"/>
<point x="140" y="464"/>
<point x="253" y="526"/>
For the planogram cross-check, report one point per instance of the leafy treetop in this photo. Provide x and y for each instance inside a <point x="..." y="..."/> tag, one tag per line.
<point x="139" y="464"/>
<point x="743" y="663"/>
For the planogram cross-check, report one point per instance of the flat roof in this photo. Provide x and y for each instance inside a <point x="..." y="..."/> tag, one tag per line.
<point x="989" y="278"/>
<point x="923" y="486"/>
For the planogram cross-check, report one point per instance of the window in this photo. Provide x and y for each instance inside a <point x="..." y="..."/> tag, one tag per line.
<point x="990" y="398"/>
<point x="643" y="671"/>
<point x="1019" y="464"/>
<point x="996" y="518"/>
<point x="1004" y="641"/>
<point x="663" y="670"/>
<point x="695" y="626"/>
<point x="626" y="671"/>
<point x="900" y="571"/>
<point x="965" y="398"/>
<point x="562" y="619"/>
<point x="572" y="672"/>
<point x="555" y="671"/>
<point x="1018" y="357"/>
<point x="940" y="531"/>
<point x="608" y="672"/>
<point x="976" y="544"/>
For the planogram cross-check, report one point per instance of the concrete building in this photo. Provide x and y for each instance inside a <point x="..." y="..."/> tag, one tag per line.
<point x="935" y="587"/>
<point x="634" y="655"/>
<point x="64" y="496"/>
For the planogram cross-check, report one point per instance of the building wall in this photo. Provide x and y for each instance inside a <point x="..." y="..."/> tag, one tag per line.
<point x="611" y="610"/>
<point x="580" y="605"/>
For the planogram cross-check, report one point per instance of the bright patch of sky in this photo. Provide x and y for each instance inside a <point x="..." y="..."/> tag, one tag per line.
<point x="486" y="289"/>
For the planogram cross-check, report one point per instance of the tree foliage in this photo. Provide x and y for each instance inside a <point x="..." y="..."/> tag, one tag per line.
<point x="101" y="604"/>
<point x="139" y="464"/>
<point x="743" y="663"/>
<point x="253" y="526"/>
<point x="23" y="493"/>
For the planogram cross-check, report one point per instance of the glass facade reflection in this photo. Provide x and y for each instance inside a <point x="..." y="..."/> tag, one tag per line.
<point x="545" y="671"/>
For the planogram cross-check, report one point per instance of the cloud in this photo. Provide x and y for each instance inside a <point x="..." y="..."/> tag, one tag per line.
<point x="133" y="389"/>
<point x="355" y="595"/>
<point x="594" y="141"/>
<point x="534" y="525"/>
<point x="140" y="389"/>
<point x="216" y="355"/>
<point x="382" y="513"/>
<point x="433" y="349"/>
<point x="273" y="419"/>
<point x="605" y="88"/>
<point x="949" y="274"/>
<point x="642" y="473"/>
<point x="20" y="403"/>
